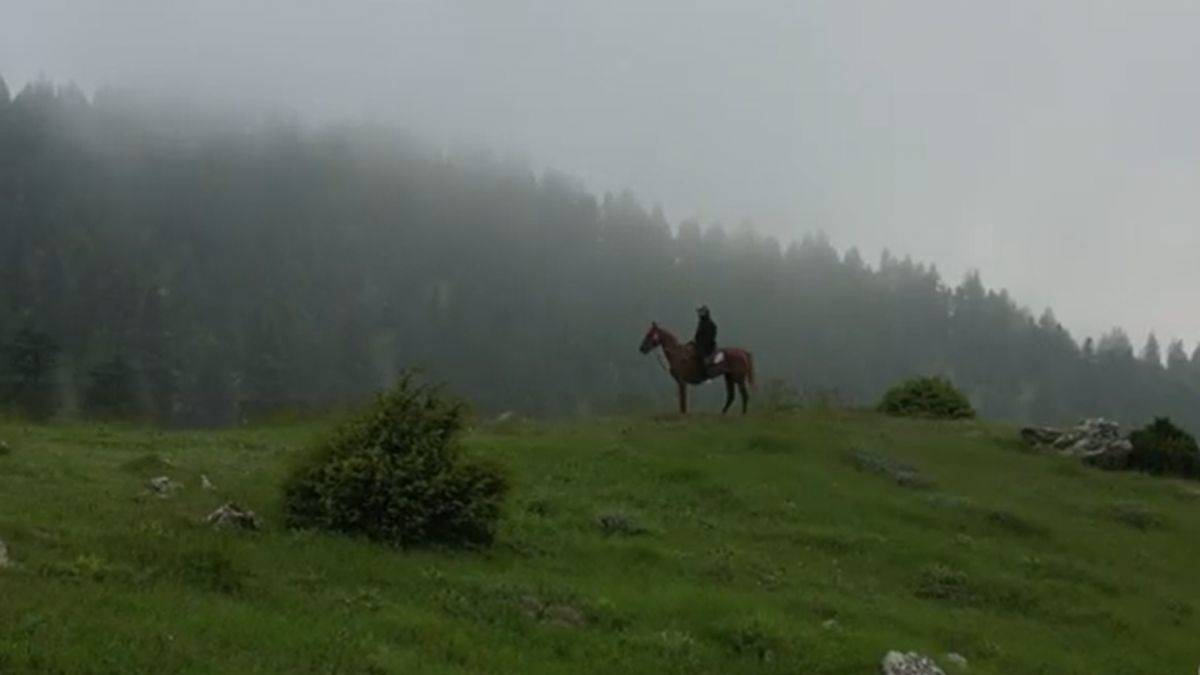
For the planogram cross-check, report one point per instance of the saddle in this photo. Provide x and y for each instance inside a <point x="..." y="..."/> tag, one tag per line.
<point x="718" y="356"/>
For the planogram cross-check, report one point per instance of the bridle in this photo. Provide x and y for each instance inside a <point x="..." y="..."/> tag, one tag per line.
<point x="658" y="352"/>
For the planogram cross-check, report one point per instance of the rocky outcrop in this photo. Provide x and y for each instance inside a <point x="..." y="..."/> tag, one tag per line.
<point x="231" y="515"/>
<point x="912" y="663"/>
<point x="1096" y="441"/>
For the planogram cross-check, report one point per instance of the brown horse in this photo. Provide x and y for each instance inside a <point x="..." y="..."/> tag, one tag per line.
<point x="687" y="368"/>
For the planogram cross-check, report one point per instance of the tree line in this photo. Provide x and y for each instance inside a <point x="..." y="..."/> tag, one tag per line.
<point x="160" y="264"/>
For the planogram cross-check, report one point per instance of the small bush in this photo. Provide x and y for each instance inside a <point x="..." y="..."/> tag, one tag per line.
<point x="395" y="474"/>
<point x="1162" y="448"/>
<point x="753" y="636"/>
<point x="939" y="582"/>
<point x="619" y="524"/>
<point x="931" y="397"/>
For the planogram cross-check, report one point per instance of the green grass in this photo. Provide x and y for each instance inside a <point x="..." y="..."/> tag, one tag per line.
<point x="754" y="545"/>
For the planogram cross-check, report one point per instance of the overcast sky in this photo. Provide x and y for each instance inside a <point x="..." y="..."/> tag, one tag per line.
<point x="1055" y="146"/>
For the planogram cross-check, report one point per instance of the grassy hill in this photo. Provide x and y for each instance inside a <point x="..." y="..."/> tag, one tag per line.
<point x="758" y="545"/>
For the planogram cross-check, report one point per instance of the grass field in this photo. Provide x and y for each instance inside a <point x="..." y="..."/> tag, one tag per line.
<point x="709" y="545"/>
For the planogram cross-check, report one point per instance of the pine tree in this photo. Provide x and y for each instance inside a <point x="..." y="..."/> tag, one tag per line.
<point x="112" y="390"/>
<point x="1177" y="359"/>
<point x="1152" y="353"/>
<point x="1089" y="350"/>
<point x="1115" y="344"/>
<point x="29" y="382"/>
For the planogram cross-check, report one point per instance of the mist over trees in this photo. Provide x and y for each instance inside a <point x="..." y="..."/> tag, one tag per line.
<point x="171" y="267"/>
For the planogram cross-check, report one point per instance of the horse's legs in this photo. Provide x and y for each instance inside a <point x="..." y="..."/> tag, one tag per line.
<point x="728" y="393"/>
<point x="682" y="397"/>
<point x="745" y="396"/>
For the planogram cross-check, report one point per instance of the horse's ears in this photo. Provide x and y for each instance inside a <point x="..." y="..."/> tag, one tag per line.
<point x="654" y="324"/>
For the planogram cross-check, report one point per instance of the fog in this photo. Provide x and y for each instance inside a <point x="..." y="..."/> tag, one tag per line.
<point x="1050" y="145"/>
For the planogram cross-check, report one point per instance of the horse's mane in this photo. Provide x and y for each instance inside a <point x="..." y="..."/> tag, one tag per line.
<point x="667" y="337"/>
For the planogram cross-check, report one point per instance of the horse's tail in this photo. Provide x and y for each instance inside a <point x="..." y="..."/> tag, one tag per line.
<point x="750" y="370"/>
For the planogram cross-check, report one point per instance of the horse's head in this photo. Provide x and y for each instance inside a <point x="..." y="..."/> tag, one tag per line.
<point x="653" y="339"/>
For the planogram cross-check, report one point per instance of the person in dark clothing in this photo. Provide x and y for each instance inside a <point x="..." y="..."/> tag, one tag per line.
<point x="706" y="339"/>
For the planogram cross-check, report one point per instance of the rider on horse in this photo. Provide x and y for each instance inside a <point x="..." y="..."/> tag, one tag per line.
<point x="706" y="340"/>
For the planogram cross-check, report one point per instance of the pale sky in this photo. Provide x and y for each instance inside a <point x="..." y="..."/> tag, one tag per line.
<point x="1055" y="146"/>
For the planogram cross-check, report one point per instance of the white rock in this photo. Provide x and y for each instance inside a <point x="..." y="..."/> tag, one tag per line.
<point x="206" y="483"/>
<point x="4" y="561"/>
<point x="911" y="663"/>
<point x="231" y="515"/>
<point x="163" y="486"/>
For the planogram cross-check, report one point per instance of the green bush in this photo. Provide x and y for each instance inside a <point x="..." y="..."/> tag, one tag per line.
<point x="1164" y="449"/>
<point x="396" y="474"/>
<point x="932" y="397"/>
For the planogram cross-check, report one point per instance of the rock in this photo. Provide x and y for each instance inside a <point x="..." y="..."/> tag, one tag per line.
<point x="911" y="663"/>
<point x="205" y="483"/>
<point x="4" y="561"/>
<point x="505" y="416"/>
<point x="1091" y="438"/>
<point x="1037" y="436"/>
<point x="957" y="659"/>
<point x="1114" y="457"/>
<point x="830" y="624"/>
<point x="231" y="515"/>
<point x="163" y="486"/>
<point x="4" y="448"/>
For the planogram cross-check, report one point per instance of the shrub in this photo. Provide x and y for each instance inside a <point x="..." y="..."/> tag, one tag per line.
<point x="932" y="397"/>
<point x="1164" y="449"/>
<point x="395" y="474"/>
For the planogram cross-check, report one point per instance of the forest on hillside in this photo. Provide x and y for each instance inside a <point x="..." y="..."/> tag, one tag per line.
<point x="159" y="264"/>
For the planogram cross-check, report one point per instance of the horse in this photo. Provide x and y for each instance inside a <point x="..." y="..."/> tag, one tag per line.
<point x="686" y="367"/>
